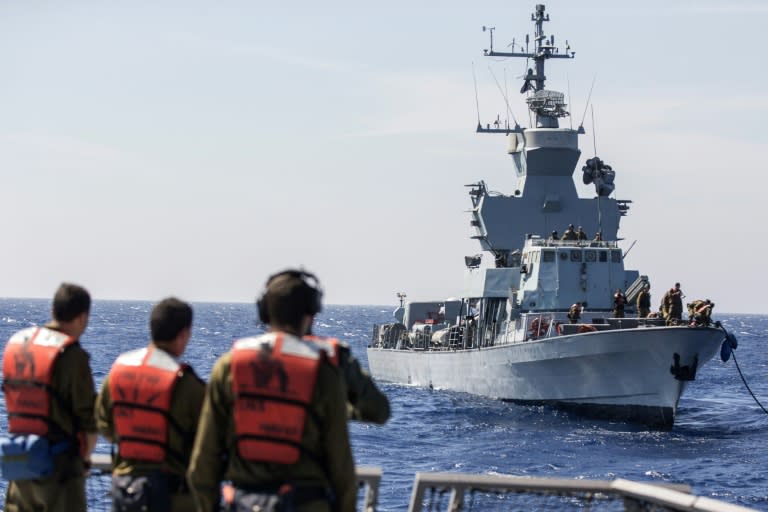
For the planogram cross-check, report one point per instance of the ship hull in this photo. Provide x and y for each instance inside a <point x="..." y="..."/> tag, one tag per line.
<point x="631" y="374"/>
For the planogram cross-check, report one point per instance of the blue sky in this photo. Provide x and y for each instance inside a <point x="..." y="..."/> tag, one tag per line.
<point x="191" y="148"/>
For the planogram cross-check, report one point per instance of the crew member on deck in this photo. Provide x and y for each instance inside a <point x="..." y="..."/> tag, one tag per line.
<point x="618" y="304"/>
<point x="574" y="313"/>
<point x="700" y="312"/>
<point x="569" y="233"/>
<point x="274" y="420"/>
<point x="672" y="304"/>
<point x="580" y="234"/>
<point x="149" y="406"/>
<point x="644" y="302"/>
<point x="49" y="391"/>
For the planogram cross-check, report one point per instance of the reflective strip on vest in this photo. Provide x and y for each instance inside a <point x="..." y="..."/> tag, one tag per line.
<point x="273" y="378"/>
<point x="141" y="384"/>
<point x="27" y="373"/>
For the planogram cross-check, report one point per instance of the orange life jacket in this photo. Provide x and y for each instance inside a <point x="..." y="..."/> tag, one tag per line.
<point x="27" y="374"/>
<point x="330" y="345"/>
<point x="273" y="392"/>
<point x="141" y="384"/>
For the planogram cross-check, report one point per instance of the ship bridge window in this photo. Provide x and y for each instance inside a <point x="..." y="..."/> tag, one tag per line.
<point x="603" y="256"/>
<point x="547" y="256"/>
<point x="616" y="255"/>
<point x="563" y="255"/>
<point x="575" y="255"/>
<point x="590" y="256"/>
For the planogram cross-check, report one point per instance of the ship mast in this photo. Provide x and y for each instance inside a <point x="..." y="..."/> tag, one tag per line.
<point x="546" y="105"/>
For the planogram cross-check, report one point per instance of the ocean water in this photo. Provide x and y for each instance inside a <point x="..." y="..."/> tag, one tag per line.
<point x="718" y="444"/>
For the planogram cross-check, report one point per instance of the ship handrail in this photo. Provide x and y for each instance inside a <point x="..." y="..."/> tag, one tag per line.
<point x="674" y="497"/>
<point x="668" y="496"/>
<point x="600" y="244"/>
<point x="368" y="477"/>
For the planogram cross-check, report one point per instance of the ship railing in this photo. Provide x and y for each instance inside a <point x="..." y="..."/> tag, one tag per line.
<point x="542" y="242"/>
<point x="456" y="491"/>
<point x="540" y="326"/>
<point x="99" y="484"/>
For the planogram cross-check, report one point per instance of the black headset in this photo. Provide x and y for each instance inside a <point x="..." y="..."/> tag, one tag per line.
<point x="311" y="293"/>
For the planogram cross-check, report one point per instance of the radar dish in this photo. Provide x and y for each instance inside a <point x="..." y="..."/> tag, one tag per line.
<point x="548" y="103"/>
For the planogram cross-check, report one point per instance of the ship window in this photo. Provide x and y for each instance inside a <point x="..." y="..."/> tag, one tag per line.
<point x="603" y="256"/>
<point x="547" y="256"/>
<point x="575" y="255"/>
<point x="616" y="256"/>
<point x="589" y="256"/>
<point x="563" y="255"/>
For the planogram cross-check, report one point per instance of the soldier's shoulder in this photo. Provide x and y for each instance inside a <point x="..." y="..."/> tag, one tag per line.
<point x="191" y="375"/>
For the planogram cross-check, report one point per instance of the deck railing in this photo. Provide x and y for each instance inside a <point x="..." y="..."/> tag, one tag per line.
<point x="452" y="492"/>
<point x="456" y="491"/>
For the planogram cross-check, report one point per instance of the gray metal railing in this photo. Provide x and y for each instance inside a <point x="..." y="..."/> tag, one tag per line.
<point x="453" y="492"/>
<point x="519" y="493"/>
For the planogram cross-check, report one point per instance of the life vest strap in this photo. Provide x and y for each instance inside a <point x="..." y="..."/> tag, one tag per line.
<point x="132" y="405"/>
<point x="272" y="398"/>
<point x="186" y="434"/>
<point x="25" y="383"/>
<point x="255" y="437"/>
<point x="32" y="416"/>
<point x="173" y="453"/>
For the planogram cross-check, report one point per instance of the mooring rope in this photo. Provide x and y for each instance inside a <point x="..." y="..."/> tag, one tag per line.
<point x="733" y="354"/>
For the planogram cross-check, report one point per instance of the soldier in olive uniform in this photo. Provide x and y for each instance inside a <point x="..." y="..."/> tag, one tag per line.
<point x="700" y="312"/>
<point x="644" y="302"/>
<point x="302" y="459"/>
<point x="574" y="312"/>
<point x="71" y="416"/>
<point x="162" y="461"/>
<point x="569" y="233"/>
<point x="618" y="304"/>
<point x="673" y="305"/>
<point x="365" y="402"/>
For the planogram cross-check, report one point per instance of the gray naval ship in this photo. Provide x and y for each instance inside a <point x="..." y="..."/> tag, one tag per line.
<point x="509" y="336"/>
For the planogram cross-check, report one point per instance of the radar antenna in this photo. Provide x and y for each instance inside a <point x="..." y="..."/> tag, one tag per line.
<point x="548" y="106"/>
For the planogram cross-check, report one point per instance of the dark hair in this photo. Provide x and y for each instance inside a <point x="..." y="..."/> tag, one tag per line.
<point x="168" y="318"/>
<point x="290" y="295"/>
<point x="70" y="301"/>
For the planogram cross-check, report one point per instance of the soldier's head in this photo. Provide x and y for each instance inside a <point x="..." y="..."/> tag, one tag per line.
<point x="170" y="325"/>
<point x="677" y="286"/>
<point x="290" y="301"/>
<point x="71" y="308"/>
